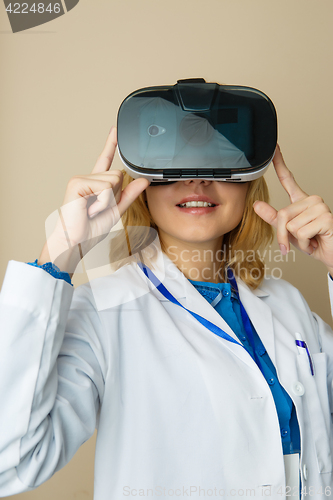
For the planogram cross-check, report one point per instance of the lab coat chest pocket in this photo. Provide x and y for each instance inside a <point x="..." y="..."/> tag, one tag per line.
<point x="317" y="405"/>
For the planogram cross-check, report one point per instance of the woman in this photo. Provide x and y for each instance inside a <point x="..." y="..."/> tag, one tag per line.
<point x="185" y="404"/>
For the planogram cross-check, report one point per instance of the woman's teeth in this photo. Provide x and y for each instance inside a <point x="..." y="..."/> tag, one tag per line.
<point x="196" y="204"/>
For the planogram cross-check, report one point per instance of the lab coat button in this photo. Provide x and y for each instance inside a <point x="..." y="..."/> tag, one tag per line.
<point x="305" y="472"/>
<point x="298" y="388"/>
<point x="271" y="381"/>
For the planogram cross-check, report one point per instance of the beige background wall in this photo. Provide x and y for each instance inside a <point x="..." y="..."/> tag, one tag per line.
<point x="62" y="83"/>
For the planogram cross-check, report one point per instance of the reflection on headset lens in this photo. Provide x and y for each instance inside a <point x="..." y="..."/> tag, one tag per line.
<point x="153" y="130"/>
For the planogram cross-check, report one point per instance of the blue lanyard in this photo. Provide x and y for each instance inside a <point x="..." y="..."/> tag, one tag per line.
<point x="211" y="326"/>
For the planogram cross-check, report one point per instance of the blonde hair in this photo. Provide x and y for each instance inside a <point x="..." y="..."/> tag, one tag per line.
<point x="249" y="238"/>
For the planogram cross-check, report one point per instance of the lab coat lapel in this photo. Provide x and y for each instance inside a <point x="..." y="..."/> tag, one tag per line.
<point x="260" y="315"/>
<point x="181" y="288"/>
<point x="197" y="303"/>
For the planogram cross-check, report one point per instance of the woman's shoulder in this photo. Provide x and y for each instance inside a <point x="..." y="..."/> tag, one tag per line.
<point x="278" y="290"/>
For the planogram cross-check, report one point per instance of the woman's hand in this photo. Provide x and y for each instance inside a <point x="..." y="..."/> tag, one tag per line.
<point x="307" y="222"/>
<point x="92" y="205"/>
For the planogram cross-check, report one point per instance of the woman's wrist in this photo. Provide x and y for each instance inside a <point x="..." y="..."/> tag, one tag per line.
<point x="52" y="269"/>
<point x="59" y="254"/>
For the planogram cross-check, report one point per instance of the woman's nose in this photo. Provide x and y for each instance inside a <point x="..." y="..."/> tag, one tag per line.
<point x="198" y="181"/>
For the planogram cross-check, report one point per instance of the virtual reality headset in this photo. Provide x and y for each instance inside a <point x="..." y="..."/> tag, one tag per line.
<point x="196" y="129"/>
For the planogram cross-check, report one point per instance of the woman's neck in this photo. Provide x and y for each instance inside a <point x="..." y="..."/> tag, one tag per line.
<point x="198" y="261"/>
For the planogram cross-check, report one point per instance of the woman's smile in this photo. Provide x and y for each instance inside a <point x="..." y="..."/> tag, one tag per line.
<point x="197" y="204"/>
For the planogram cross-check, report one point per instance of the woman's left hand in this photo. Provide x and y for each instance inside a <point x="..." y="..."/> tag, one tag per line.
<point x="307" y="222"/>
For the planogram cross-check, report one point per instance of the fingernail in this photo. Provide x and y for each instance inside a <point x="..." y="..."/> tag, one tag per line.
<point x="283" y="249"/>
<point x="111" y="129"/>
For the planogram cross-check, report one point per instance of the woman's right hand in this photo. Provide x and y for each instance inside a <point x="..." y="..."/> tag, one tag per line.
<point x="92" y="205"/>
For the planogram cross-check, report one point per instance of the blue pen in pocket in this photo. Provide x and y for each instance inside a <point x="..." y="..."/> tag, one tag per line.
<point x="300" y="343"/>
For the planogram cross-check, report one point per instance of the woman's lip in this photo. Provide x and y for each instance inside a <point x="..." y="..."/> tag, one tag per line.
<point x="197" y="210"/>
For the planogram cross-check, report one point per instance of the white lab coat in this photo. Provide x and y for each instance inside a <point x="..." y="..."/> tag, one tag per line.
<point x="180" y="412"/>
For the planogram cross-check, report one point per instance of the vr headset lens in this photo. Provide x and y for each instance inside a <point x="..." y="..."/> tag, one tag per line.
<point x="196" y="129"/>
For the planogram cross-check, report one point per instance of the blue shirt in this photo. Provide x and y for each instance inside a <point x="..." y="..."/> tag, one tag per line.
<point x="225" y="301"/>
